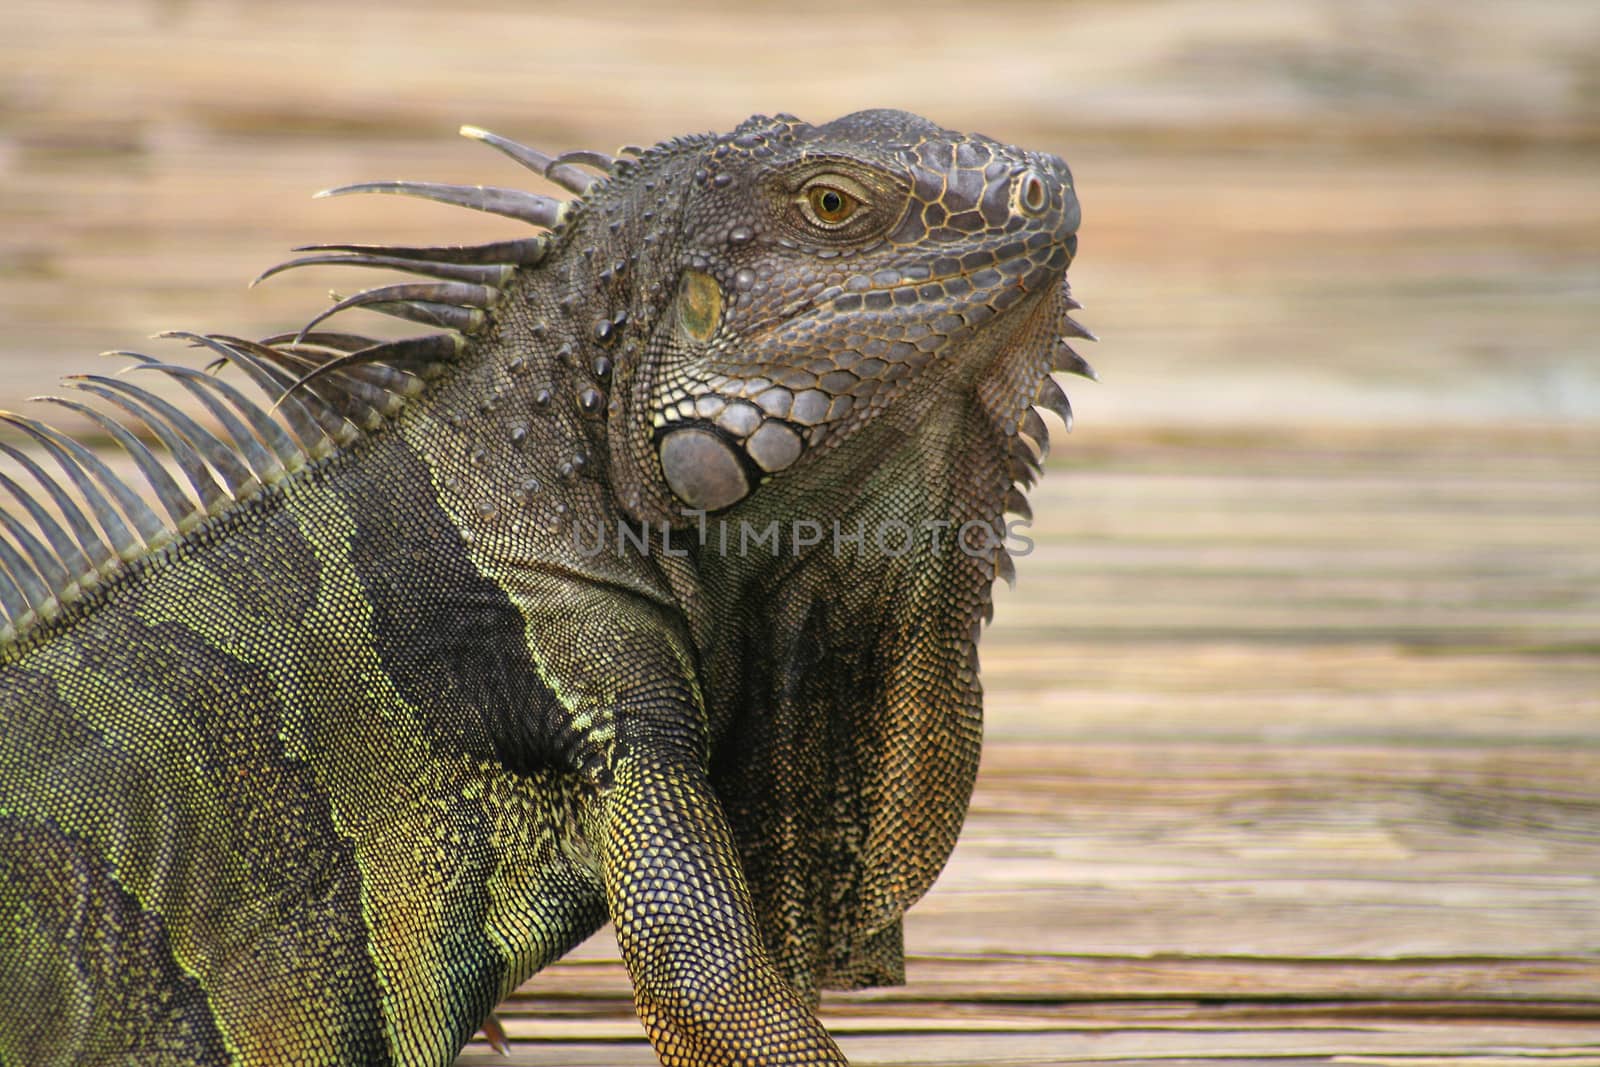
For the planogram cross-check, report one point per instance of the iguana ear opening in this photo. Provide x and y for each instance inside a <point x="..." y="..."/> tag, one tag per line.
<point x="698" y="307"/>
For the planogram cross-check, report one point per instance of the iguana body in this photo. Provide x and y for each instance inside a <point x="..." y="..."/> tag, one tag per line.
<point x="414" y="696"/>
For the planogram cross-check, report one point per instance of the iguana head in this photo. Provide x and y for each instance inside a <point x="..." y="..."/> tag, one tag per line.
<point x="815" y="279"/>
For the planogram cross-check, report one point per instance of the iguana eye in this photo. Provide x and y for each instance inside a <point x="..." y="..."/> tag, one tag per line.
<point x="829" y="205"/>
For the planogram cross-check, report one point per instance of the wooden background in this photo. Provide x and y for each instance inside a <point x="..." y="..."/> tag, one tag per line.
<point x="1294" y="717"/>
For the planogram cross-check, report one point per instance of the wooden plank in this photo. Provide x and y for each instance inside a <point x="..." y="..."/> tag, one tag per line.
<point x="1059" y="1041"/>
<point x="1488" y="985"/>
<point x="1509" y="986"/>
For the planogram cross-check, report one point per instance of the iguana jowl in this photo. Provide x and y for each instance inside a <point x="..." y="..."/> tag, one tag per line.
<point x="648" y="589"/>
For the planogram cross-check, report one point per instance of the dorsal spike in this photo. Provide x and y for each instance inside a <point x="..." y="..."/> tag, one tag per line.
<point x="122" y="539"/>
<point x="395" y="380"/>
<point x="458" y="294"/>
<point x="225" y="461"/>
<point x="34" y="592"/>
<point x="174" y="501"/>
<point x="304" y="415"/>
<point x="1051" y="398"/>
<point x="427" y="350"/>
<point x="61" y="543"/>
<point x="1034" y="427"/>
<point x="340" y="342"/>
<point x="418" y="352"/>
<point x="531" y="208"/>
<point x="469" y="273"/>
<point x="565" y="175"/>
<point x="520" y="252"/>
<point x="151" y="530"/>
<point x="330" y="423"/>
<point x="443" y="316"/>
<point x="43" y="561"/>
<point x="264" y="466"/>
<point x="324" y="423"/>
<point x="99" y="554"/>
<point x="349" y="395"/>
<point x="188" y="460"/>
<point x="583" y="157"/>
<point x="395" y="384"/>
<point x="14" y="604"/>
<point x="240" y="354"/>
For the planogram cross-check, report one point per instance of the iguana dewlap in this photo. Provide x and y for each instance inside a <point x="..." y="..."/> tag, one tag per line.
<point x="644" y="584"/>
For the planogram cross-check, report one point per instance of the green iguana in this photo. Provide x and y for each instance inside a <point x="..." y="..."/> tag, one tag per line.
<point x="646" y="588"/>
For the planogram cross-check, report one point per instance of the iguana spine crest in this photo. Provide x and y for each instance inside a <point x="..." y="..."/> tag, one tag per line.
<point x="327" y="390"/>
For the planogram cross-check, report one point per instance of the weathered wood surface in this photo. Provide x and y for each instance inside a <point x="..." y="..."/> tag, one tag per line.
<point x="1294" y="716"/>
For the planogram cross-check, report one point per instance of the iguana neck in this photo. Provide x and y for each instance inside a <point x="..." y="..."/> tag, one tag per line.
<point x="520" y="434"/>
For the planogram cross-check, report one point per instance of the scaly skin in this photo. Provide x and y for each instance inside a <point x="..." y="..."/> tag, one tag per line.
<point x="337" y="768"/>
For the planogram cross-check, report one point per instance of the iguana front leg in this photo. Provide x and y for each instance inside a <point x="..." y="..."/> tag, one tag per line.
<point x="704" y="986"/>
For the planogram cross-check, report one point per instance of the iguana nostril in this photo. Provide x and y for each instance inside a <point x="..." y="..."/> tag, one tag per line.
<point x="1032" y="194"/>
